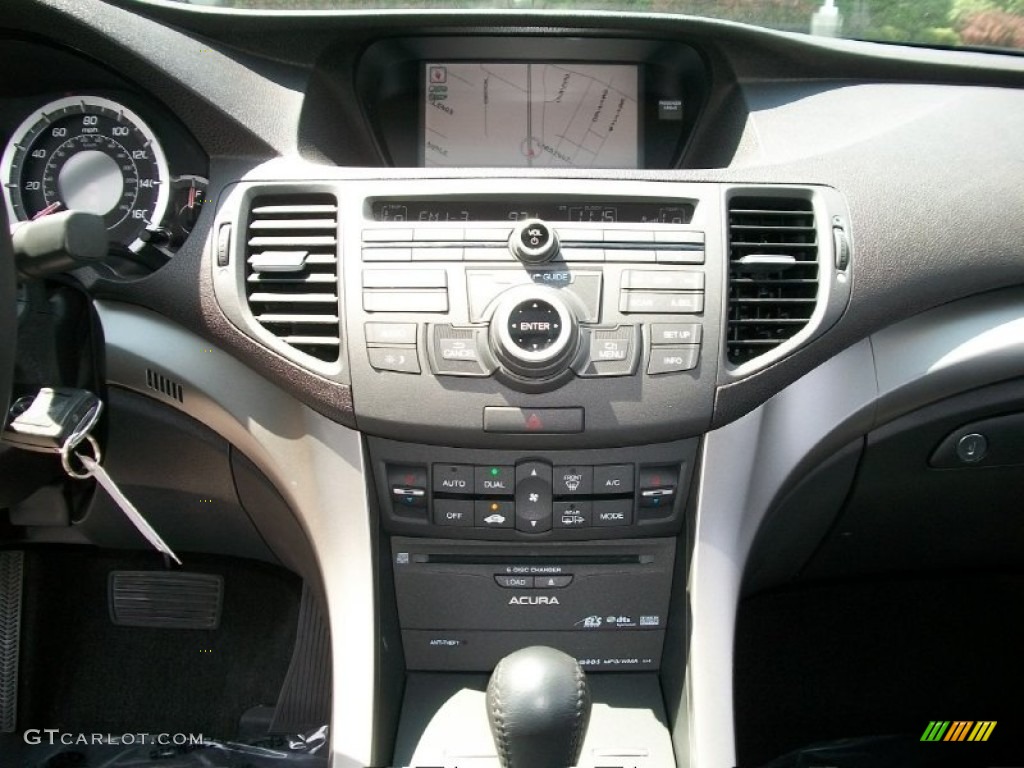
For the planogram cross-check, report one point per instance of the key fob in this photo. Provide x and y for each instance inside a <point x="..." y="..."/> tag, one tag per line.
<point x="50" y="419"/>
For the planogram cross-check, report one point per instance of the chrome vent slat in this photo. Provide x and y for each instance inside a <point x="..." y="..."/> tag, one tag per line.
<point x="295" y="299"/>
<point x="282" y="278"/>
<point x="769" y="302"/>
<point x="268" y="318"/>
<point x="262" y="241"/>
<point x="292" y="224"/>
<point x="288" y="210"/>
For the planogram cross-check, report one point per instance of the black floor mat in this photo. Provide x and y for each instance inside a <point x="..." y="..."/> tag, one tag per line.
<point x="886" y="657"/>
<point x="81" y="673"/>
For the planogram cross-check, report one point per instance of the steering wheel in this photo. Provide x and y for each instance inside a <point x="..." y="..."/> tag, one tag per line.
<point x="8" y="314"/>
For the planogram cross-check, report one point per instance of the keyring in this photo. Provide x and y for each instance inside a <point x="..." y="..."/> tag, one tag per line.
<point x="65" y="457"/>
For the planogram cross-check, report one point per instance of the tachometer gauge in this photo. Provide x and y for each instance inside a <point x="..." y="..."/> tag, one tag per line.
<point x="87" y="153"/>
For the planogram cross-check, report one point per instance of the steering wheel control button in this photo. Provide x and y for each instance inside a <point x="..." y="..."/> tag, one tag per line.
<point x="613" y="512"/>
<point x="524" y="421"/>
<point x="612" y="479"/>
<point x="972" y="448"/>
<point x="397" y="359"/>
<point x="533" y="497"/>
<point x="493" y="514"/>
<point x="533" y="242"/>
<point x="573" y="481"/>
<point x="494" y="480"/>
<point x="456" y="479"/>
<point x="457" y="512"/>
<point x="573" y="514"/>
<point x="675" y="333"/>
<point x="390" y="333"/>
<point x="673" y="359"/>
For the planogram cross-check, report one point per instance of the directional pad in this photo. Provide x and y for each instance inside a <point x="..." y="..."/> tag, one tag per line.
<point x="533" y="497"/>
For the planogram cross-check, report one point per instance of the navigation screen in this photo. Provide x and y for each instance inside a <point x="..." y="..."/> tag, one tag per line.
<point x="542" y="115"/>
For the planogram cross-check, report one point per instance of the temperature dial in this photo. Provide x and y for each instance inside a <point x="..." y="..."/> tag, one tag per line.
<point x="534" y="333"/>
<point x="534" y="242"/>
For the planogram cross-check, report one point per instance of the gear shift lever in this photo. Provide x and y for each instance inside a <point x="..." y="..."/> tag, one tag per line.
<point x="538" y="705"/>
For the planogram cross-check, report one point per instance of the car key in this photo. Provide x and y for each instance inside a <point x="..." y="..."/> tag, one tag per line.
<point x="54" y="420"/>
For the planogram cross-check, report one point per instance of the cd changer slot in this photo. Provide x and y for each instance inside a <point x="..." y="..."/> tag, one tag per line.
<point x="533" y="560"/>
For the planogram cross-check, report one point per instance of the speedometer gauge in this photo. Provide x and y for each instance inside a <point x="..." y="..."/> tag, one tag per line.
<point x="87" y="154"/>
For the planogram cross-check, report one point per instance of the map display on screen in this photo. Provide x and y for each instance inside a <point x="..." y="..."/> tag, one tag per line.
<point x="544" y="115"/>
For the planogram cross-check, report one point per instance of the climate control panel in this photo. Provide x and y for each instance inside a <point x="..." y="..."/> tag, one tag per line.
<point x="569" y="495"/>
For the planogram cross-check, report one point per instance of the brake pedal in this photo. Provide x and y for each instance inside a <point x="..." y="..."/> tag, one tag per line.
<point x="165" y="600"/>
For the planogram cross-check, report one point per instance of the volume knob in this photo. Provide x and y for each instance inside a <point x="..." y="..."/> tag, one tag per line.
<point x="533" y="242"/>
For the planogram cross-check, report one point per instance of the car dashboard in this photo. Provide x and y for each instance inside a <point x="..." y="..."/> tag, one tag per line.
<point x="514" y="328"/>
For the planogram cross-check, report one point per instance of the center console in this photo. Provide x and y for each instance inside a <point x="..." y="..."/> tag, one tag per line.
<point x="568" y="346"/>
<point x="532" y="364"/>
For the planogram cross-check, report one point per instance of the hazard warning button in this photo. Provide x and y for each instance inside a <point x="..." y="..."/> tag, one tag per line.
<point x="512" y="420"/>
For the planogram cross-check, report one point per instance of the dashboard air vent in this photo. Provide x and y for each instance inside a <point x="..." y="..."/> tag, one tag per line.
<point x="291" y="271"/>
<point x="773" y="273"/>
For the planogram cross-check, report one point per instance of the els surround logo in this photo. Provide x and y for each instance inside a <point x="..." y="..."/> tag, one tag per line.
<point x="958" y="730"/>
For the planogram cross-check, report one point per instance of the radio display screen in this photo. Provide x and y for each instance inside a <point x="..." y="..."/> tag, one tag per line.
<point x="536" y="114"/>
<point x="631" y="212"/>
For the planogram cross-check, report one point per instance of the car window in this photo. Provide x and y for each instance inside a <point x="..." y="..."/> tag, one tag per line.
<point x="995" y="24"/>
